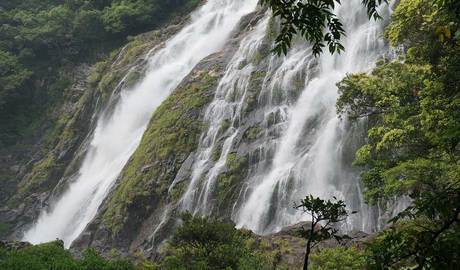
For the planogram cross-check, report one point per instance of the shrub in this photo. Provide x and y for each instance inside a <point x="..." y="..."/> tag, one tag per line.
<point x="207" y="243"/>
<point x="53" y="256"/>
<point x="338" y="258"/>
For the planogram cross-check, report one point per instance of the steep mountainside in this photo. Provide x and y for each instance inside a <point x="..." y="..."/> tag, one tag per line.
<point x="235" y="139"/>
<point x="37" y="173"/>
<point x="191" y="146"/>
<point x="141" y="209"/>
<point x="224" y="130"/>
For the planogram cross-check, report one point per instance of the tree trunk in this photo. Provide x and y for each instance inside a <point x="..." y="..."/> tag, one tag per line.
<point x="308" y="249"/>
<point x="307" y="254"/>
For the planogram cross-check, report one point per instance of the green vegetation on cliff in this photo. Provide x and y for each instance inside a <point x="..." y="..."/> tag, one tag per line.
<point x="171" y="136"/>
<point x="69" y="127"/>
<point x="38" y="39"/>
<point x="230" y="181"/>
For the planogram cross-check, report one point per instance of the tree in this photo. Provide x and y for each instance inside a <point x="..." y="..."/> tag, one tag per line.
<point x="412" y="150"/>
<point x="323" y="215"/>
<point x="315" y="21"/>
<point x="412" y="105"/>
<point x="12" y="76"/>
<point x="121" y="17"/>
<point x="207" y="243"/>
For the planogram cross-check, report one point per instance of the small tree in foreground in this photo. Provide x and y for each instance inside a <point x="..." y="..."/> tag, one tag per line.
<point x="203" y="243"/>
<point x="321" y="212"/>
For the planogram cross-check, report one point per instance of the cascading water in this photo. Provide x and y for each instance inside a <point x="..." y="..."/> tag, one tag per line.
<point x="308" y="156"/>
<point x="226" y="106"/>
<point x="301" y="149"/>
<point x="116" y="138"/>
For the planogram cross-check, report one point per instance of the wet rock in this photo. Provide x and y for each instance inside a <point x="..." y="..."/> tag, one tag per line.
<point x="293" y="230"/>
<point x="14" y="245"/>
<point x="15" y="168"/>
<point x="185" y="170"/>
<point x="146" y="168"/>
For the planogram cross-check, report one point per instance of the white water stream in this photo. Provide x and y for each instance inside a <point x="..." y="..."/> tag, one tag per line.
<point x="302" y="153"/>
<point x="226" y="106"/>
<point x="116" y="138"/>
<point x="310" y="161"/>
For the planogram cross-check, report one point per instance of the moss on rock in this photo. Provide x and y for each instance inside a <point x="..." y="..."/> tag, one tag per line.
<point x="171" y="136"/>
<point x="216" y="152"/>
<point x="177" y="191"/>
<point x="252" y="133"/>
<point x="229" y="181"/>
<point x="254" y="88"/>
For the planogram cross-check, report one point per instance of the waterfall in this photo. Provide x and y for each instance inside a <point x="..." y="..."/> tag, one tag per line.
<point x="303" y="143"/>
<point x="308" y="154"/>
<point x="117" y="137"/>
<point x="226" y="106"/>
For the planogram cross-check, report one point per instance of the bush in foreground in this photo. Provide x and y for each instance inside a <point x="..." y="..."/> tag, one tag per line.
<point x="53" y="256"/>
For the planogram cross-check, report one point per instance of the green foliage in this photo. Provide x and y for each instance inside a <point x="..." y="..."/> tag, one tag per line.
<point x="12" y="75"/>
<point x="40" y="175"/>
<point x="235" y="163"/>
<point x="416" y="244"/>
<point x="177" y="191"/>
<point x="252" y="133"/>
<point x="120" y="17"/>
<point x="412" y="148"/>
<point x="226" y="123"/>
<point x="315" y="21"/>
<point x="255" y="83"/>
<point x="391" y="97"/>
<point x="229" y="181"/>
<point x="93" y="261"/>
<point x="321" y="210"/>
<point x="216" y="152"/>
<point x="323" y="215"/>
<point x="412" y="105"/>
<point x="63" y="133"/>
<point x="338" y="258"/>
<point x="417" y="21"/>
<point x="128" y="16"/>
<point x="206" y="243"/>
<point x="52" y="256"/>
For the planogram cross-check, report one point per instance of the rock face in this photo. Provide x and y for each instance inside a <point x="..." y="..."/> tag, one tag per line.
<point x="140" y="213"/>
<point x="14" y="245"/>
